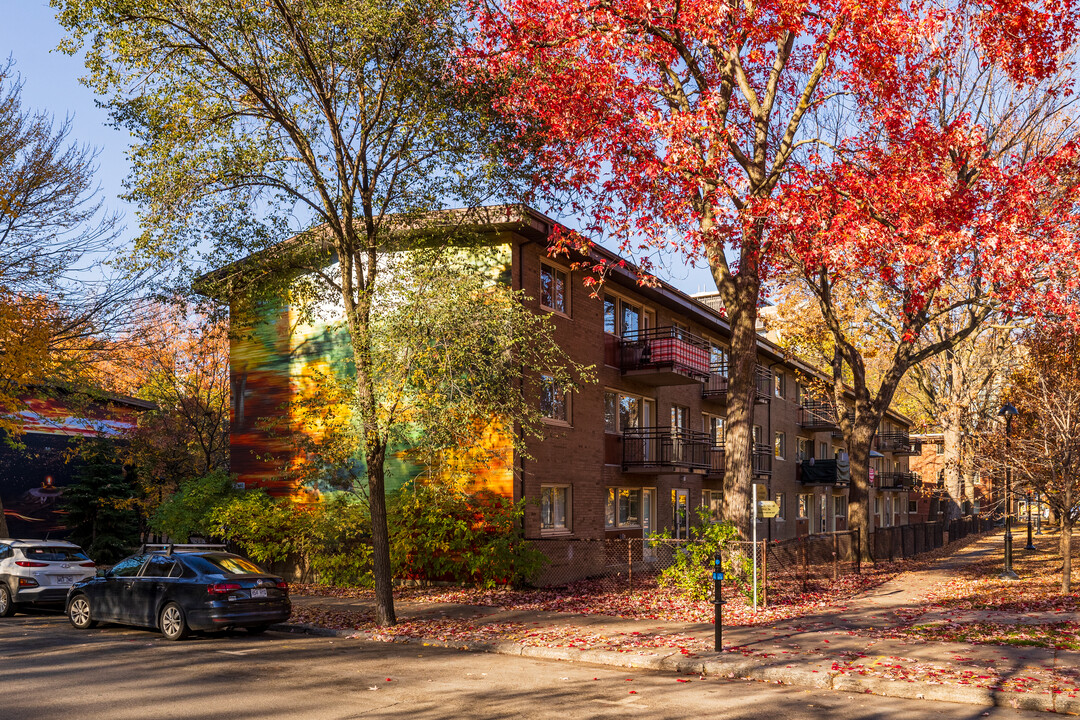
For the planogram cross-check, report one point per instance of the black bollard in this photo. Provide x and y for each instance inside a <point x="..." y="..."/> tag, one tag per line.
<point x="718" y="601"/>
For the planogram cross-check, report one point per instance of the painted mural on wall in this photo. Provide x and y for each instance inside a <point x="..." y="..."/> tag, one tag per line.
<point x="279" y="371"/>
<point x="34" y="473"/>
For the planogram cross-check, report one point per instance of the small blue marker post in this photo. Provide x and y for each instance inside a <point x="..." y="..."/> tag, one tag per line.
<point x="718" y="601"/>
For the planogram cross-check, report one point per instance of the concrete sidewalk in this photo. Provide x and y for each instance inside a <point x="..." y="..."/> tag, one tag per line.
<point x="843" y="649"/>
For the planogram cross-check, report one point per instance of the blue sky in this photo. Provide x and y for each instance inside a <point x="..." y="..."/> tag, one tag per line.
<point x="29" y="33"/>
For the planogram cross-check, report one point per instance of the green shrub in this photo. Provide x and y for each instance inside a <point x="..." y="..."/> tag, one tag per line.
<point x="442" y="533"/>
<point x="187" y="512"/>
<point x="691" y="570"/>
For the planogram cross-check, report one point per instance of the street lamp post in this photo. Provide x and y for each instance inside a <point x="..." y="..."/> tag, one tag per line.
<point x="1027" y="501"/>
<point x="1038" y="513"/>
<point x="1009" y="412"/>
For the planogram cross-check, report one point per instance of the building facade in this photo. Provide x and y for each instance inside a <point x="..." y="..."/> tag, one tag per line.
<point x="642" y="450"/>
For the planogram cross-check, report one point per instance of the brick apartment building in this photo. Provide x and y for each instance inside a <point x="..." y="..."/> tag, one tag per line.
<point x="642" y="449"/>
<point x="974" y="496"/>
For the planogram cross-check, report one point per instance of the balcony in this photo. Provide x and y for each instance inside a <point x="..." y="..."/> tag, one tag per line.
<point x="762" y="458"/>
<point x="817" y="415"/>
<point x="716" y="461"/>
<point x="716" y="387"/>
<point x="824" y="472"/>
<point x="897" y="442"/>
<point x="895" y="481"/>
<point x="666" y="450"/>
<point x="664" y="356"/>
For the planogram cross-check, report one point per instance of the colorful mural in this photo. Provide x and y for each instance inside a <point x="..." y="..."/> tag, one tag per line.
<point x="283" y="401"/>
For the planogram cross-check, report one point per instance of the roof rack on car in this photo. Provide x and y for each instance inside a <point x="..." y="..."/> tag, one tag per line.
<point x="170" y="548"/>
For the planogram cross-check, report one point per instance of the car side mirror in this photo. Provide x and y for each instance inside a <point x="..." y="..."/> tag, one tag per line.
<point x="101" y="572"/>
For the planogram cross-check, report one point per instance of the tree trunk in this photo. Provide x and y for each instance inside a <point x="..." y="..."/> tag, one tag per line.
<point x="3" y="521"/>
<point x="1066" y="557"/>
<point x="952" y="431"/>
<point x="742" y="389"/>
<point x="859" y="492"/>
<point x="382" y="570"/>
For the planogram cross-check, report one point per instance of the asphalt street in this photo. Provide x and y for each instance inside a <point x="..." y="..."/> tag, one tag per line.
<point x="49" y="670"/>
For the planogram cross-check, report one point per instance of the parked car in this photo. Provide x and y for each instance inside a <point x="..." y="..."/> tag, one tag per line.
<point x="39" y="572"/>
<point x="177" y="588"/>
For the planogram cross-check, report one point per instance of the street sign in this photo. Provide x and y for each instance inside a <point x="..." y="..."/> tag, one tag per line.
<point x="768" y="509"/>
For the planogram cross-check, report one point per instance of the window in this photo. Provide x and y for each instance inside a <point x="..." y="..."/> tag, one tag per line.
<point x="554" y="401"/>
<point x="623" y="411"/>
<point x="680" y="417"/>
<point x="940" y="447"/>
<point x="6" y="552"/>
<point x="780" y="446"/>
<point x="802" y="453"/>
<point x="159" y="566"/>
<point x="877" y="506"/>
<point x="553" y="289"/>
<point x="780" y="501"/>
<point x="804" y="506"/>
<point x="718" y="359"/>
<point x="710" y="500"/>
<point x="823" y="451"/>
<point x="624" y="318"/>
<point x="623" y="508"/>
<point x="779" y="386"/>
<point x="127" y="568"/>
<point x="757" y="434"/>
<point x="840" y="506"/>
<point x="714" y="426"/>
<point x="555" y="508"/>
<point x="913" y="506"/>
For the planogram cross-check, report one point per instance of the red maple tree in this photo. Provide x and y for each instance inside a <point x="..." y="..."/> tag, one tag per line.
<point x="677" y="124"/>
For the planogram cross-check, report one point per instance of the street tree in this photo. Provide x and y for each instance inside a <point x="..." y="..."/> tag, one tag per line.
<point x="933" y="222"/>
<point x="1042" y="451"/>
<point x="676" y="125"/>
<point x="336" y="123"/>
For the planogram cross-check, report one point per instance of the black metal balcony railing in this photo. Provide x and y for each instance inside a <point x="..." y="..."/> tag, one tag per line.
<point x="895" y="481"/>
<point x="669" y="355"/>
<point x="716" y="460"/>
<point x="817" y="415"/>
<point x="661" y="448"/>
<point x="762" y="458"/>
<point x="897" y="442"/>
<point x="824" y="472"/>
<point x="716" y="387"/>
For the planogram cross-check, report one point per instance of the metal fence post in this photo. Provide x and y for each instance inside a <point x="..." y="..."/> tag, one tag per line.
<point x="764" y="574"/>
<point x="835" y="557"/>
<point x="630" y="562"/>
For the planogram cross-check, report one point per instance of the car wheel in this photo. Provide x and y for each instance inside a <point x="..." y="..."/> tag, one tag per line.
<point x="172" y="623"/>
<point x="256" y="629"/>
<point x="79" y="613"/>
<point x="7" y="605"/>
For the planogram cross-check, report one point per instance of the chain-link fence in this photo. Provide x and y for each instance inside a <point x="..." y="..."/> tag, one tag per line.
<point x="785" y="567"/>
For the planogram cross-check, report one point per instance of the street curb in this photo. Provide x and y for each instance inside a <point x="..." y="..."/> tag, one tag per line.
<point x="818" y="675"/>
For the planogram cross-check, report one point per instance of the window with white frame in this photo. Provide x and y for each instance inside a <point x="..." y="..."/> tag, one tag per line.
<point x="710" y="500"/>
<point x="555" y="508"/>
<point x="802" y="453"/>
<point x="622" y="411"/>
<point x="823" y="451"/>
<point x="623" y="508"/>
<point x="554" y="401"/>
<point x="553" y="289"/>
<point x="840" y="508"/>
<point x="624" y="318"/>
<point x="805" y="499"/>
<point x="714" y="426"/>
<point x="779" y="384"/>
<point x="780" y="446"/>
<point x="781" y="501"/>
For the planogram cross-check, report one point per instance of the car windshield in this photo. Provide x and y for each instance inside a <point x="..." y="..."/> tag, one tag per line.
<point x="55" y="554"/>
<point x="233" y="564"/>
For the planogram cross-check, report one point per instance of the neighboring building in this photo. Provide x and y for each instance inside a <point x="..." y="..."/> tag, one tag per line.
<point x="33" y="476"/>
<point x="975" y="493"/>
<point x="640" y="451"/>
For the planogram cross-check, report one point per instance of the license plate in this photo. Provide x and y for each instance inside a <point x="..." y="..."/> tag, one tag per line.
<point x="258" y="592"/>
<point x="64" y="579"/>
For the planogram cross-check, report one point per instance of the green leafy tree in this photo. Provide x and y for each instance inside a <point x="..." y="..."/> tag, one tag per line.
<point x="250" y="119"/>
<point x="101" y="504"/>
<point x="188" y="511"/>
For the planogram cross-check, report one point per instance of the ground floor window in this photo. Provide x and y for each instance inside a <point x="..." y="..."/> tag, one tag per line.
<point x="782" y="504"/>
<point x="804" y="506"/>
<point x="555" y="508"/>
<point x="710" y="500"/>
<point x="840" y="506"/>
<point x="913" y="506"/>
<point x="623" y="508"/>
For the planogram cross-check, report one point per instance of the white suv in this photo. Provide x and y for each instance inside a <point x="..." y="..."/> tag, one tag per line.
<point x="39" y="572"/>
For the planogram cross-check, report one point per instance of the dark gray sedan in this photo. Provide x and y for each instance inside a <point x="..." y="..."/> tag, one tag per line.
<point x="177" y="592"/>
